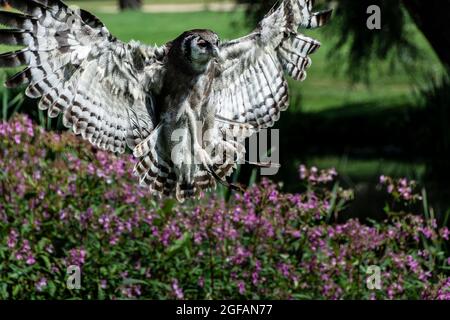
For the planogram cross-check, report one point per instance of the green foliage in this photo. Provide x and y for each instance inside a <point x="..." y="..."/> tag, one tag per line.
<point x="363" y="54"/>
<point x="359" y="47"/>
<point x="436" y="99"/>
<point x="11" y="101"/>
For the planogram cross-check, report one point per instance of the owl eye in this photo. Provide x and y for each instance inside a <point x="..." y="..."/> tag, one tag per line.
<point x="202" y="43"/>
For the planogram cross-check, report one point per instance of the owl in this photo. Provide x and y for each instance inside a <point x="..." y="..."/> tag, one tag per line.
<point x="183" y="108"/>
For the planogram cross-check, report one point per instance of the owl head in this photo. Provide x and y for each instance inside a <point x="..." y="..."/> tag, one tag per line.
<point x="198" y="47"/>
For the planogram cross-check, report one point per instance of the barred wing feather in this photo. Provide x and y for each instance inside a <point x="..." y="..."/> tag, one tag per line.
<point x="252" y="88"/>
<point x="77" y="68"/>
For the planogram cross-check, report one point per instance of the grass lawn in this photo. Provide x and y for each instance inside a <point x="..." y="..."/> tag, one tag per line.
<point x="162" y="27"/>
<point x="97" y="3"/>
<point x="92" y="5"/>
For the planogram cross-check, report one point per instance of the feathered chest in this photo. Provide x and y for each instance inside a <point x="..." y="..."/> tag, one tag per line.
<point x="182" y="88"/>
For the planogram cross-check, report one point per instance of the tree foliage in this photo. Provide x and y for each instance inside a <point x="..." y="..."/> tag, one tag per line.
<point x="360" y="46"/>
<point x="130" y="4"/>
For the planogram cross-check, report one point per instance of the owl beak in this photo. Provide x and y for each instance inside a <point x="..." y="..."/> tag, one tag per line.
<point x="215" y="52"/>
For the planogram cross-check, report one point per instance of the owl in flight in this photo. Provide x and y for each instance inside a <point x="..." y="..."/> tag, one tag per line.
<point x="183" y="108"/>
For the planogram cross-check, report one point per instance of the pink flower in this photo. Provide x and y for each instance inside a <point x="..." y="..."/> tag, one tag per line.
<point x="177" y="291"/>
<point x="201" y="282"/>
<point x="445" y="233"/>
<point x="296" y="234"/>
<point x="12" y="239"/>
<point x="77" y="257"/>
<point x="31" y="260"/>
<point x="241" y="287"/>
<point x="390" y="188"/>
<point x="41" y="284"/>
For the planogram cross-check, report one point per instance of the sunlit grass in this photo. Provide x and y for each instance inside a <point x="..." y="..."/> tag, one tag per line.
<point x="97" y="5"/>
<point x="162" y="27"/>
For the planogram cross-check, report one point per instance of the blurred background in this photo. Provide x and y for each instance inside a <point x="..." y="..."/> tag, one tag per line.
<point x="375" y="101"/>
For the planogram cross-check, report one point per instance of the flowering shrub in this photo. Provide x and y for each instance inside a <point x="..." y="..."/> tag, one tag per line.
<point x="64" y="203"/>
<point x="401" y="190"/>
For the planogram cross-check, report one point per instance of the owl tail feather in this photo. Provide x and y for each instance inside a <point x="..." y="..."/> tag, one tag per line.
<point x="157" y="171"/>
<point x="153" y="168"/>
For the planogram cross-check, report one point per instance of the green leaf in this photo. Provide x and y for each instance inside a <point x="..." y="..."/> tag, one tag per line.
<point x="47" y="262"/>
<point x="332" y="206"/>
<point x="4" y="291"/>
<point x="16" y="290"/>
<point x="253" y="177"/>
<point x="168" y="206"/>
<point x="179" y="244"/>
<point x="51" y="287"/>
<point x="159" y="284"/>
<point x="101" y="294"/>
<point x="134" y="281"/>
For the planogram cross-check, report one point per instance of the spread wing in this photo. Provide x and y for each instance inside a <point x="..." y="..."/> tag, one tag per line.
<point x="252" y="88"/>
<point x="77" y="68"/>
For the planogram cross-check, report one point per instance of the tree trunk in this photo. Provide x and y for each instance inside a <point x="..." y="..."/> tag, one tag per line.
<point x="431" y="17"/>
<point x="130" y="4"/>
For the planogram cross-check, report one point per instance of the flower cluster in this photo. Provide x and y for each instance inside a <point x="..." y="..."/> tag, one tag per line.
<point x="401" y="189"/>
<point x="64" y="203"/>
<point x="316" y="176"/>
<point x="16" y="129"/>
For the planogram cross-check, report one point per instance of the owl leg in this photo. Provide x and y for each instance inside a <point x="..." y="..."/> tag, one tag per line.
<point x="200" y="154"/>
<point x="192" y="167"/>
